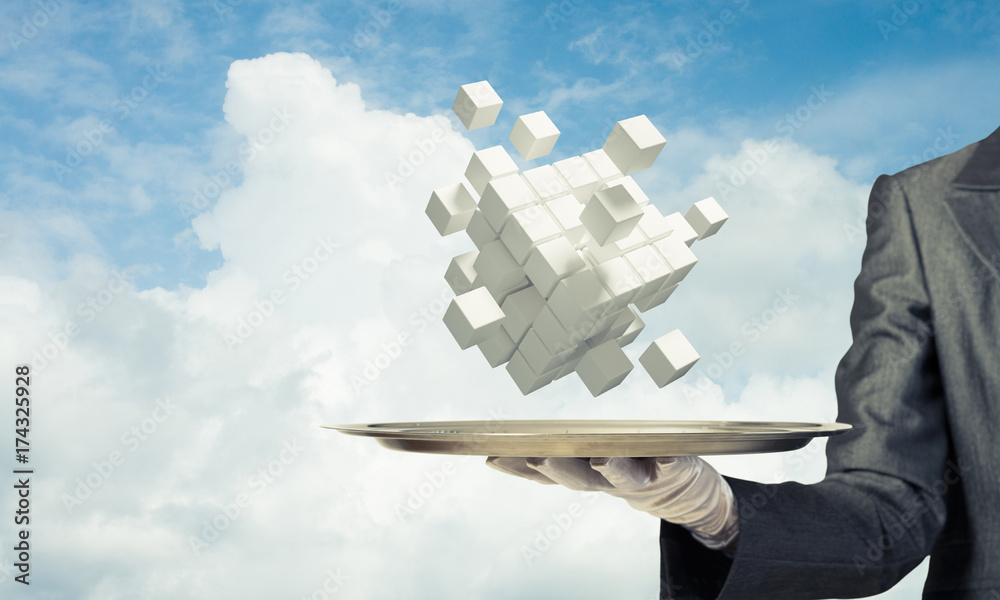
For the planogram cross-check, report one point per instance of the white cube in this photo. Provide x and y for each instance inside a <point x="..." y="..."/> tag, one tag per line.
<point x="480" y="231"/>
<point x="546" y="182"/>
<point x="487" y="165"/>
<point x="631" y="332"/>
<point x="631" y="241"/>
<point x="614" y="327"/>
<point x="538" y="356"/>
<point x="653" y="225"/>
<point x="473" y="317"/>
<point x="598" y="253"/>
<point x="634" y="144"/>
<point x="602" y="327"/>
<point x="503" y="196"/>
<point x="706" y="217"/>
<point x="631" y="185"/>
<point x="603" y="367"/>
<point x="527" y="380"/>
<point x="579" y="301"/>
<point x="679" y="256"/>
<point x="579" y="176"/>
<point x="566" y="211"/>
<point x="551" y="262"/>
<point x="652" y="269"/>
<point x="461" y="273"/>
<point x="611" y="214"/>
<point x="526" y="229"/>
<point x="477" y="105"/>
<point x="520" y="310"/>
<point x="498" y="348"/>
<point x="601" y="165"/>
<point x="450" y="208"/>
<point x="668" y="358"/>
<point x="553" y="334"/>
<point x="534" y="135"/>
<point x="680" y="229"/>
<point x="496" y="268"/>
<point x="567" y="368"/>
<point x="620" y="280"/>
<point x="650" y="302"/>
<point x="625" y="320"/>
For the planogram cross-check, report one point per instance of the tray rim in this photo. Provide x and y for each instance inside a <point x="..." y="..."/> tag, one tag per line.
<point x="793" y="429"/>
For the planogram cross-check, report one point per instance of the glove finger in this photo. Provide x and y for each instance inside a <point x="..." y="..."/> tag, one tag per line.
<point x="573" y="473"/>
<point x="625" y="473"/>
<point x="676" y="467"/>
<point x="518" y="467"/>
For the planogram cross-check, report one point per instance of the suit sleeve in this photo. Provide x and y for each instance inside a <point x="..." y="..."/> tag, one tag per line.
<point x="875" y="516"/>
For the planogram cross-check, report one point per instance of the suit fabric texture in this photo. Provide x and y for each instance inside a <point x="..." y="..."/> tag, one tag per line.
<point x="920" y="473"/>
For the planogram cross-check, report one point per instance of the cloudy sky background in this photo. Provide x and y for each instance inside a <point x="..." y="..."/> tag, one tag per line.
<point x="201" y="152"/>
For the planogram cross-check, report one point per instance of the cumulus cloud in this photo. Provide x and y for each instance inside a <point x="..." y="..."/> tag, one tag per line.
<point x="178" y="428"/>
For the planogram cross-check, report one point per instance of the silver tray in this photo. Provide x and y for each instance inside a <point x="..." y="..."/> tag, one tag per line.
<point x="593" y="438"/>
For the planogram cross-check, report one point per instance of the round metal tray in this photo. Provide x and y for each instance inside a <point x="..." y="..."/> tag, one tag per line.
<point x="593" y="438"/>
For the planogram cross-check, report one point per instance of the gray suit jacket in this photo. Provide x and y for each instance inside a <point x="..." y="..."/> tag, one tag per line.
<point x="921" y="384"/>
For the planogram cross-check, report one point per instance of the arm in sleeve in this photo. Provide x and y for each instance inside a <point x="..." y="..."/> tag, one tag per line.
<point x="874" y="517"/>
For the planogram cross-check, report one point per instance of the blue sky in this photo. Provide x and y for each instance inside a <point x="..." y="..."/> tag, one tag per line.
<point x="139" y="138"/>
<point x="762" y="63"/>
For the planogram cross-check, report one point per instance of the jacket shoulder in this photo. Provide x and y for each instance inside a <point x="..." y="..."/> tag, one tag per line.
<point x="935" y="175"/>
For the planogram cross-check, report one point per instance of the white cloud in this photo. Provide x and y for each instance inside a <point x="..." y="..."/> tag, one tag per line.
<point x="358" y="270"/>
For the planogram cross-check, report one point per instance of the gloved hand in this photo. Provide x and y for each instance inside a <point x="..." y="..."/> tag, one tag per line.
<point x="684" y="490"/>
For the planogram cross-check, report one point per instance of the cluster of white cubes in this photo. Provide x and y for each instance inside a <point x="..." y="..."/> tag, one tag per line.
<point x="566" y="255"/>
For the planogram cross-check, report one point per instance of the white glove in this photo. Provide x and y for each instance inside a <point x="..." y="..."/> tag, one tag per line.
<point x="685" y="490"/>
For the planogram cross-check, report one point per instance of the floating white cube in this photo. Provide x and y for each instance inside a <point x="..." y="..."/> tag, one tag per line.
<point x="538" y="356"/>
<point x="650" y="302"/>
<point x="706" y="217"/>
<point x="653" y="225"/>
<point x="634" y="144"/>
<point x="498" y="348"/>
<point x="611" y="214"/>
<point x="552" y="333"/>
<point x="567" y="255"/>
<point x="487" y="165"/>
<point x="680" y="229"/>
<point x="652" y="269"/>
<point x="480" y="231"/>
<point x="668" y="358"/>
<point x="602" y="165"/>
<point x="620" y="280"/>
<point x="601" y="329"/>
<point x="566" y="211"/>
<point x="497" y="269"/>
<point x="473" y="317"/>
<point x="551" y="262"/>
<point x="503" y="196"/>
<point x="579" y="176"/>
<point x="534" y="135"/>
<point x="679" y="256"/>
<point x="477" y="105"/>
<point x="461" y="273"/>
<point x="631" y="185"/>
<point x="567" y="368"/>
<point x="526" y="229"/>
<point x="450" y="208"/>
<point x="622" y="323"/>
<point x="631" y="241"/>
<point x="632" y="331"/>
<point x="614" y="327"/>
<point x="603" y="367"/>
<point x="527" y="380"/>
<point x="579" y="301"/>
<point x="520" y="310"/>
<point x="546" y="182"/>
